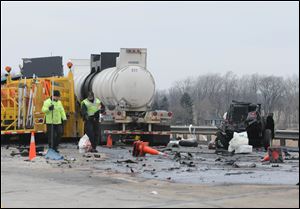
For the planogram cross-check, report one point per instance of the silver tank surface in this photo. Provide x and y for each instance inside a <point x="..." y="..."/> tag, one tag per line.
<point x="80" y="69"/>
<point x="128" y="86"/>
<point x="132" y="87"/>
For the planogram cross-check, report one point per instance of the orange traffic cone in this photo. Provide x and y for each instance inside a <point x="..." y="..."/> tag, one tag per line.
<point x="266" y="158"/>
<point x="32" y="149"/>
<point x="149" y="150"/>
<point x="140" y="148"/>
<point x="275" y="154"/>
<point x="109" y="141"/>
<point x="137" y="148"/>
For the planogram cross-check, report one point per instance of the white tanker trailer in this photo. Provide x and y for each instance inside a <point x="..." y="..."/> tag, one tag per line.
<point x="126" y="88"/>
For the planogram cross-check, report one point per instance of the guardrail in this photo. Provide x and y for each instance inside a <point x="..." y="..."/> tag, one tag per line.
<point x="202" y="130"/>
<point x="283" y="135"/>
<point x="209" y="131"/>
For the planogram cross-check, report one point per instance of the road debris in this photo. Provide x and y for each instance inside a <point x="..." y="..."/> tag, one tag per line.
<point x="87" y="155"/>
<point x="243" y="165"/>
<point x="97" y="155"/>
<point x="173" y="144"/>
<point x="126" y="161"/>
<point x="243" y="149"/>
<point x="177" y="155"/>
<point x="52" y="155"/>
<point x="218" y="159"/>
<point x="238" y="173"/>
<point x="224" y="152"/>
<point x="187" y="164"/>
<point x="239" y="143"/>
<point x="229" y="162"/>
<point x="14" y="153"/>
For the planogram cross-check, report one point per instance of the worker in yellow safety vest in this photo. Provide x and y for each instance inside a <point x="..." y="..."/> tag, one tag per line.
<point x="55" y="118"/>
<point x="90" y="110"/>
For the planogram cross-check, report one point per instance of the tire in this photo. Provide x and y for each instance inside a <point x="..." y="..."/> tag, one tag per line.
<point x="267" y="138"/>
<point x="188" y="143"/>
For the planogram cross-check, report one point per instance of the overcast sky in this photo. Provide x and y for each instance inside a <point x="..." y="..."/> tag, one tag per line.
<point x="183" y="38"/>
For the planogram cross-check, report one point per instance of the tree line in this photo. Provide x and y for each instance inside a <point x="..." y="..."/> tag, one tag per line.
<point x="196" y="100"/>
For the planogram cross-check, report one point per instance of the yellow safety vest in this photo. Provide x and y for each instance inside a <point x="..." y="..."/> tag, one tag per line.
<point x="91" y="107"/>
<point x="58" y="112"/>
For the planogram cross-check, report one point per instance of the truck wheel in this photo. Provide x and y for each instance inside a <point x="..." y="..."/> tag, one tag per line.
<point x="267" y="138"/>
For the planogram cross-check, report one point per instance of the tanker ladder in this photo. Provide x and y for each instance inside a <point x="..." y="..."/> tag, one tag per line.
<point x="23" y="105"/>
<point x="29" y="122"/>
<point x="20" y="100"/>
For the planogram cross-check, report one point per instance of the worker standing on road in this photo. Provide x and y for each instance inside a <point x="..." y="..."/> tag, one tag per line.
<point x="55" y="118"/>
<point x="90" y="109"/>
<point x="270" y="124"/>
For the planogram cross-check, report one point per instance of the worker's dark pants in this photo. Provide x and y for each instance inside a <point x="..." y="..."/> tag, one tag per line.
<point x="92" y="130"/>
<point x="57" y="134"/>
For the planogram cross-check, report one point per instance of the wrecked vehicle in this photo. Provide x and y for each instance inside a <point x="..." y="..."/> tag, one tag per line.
<point x="243" y="116"/>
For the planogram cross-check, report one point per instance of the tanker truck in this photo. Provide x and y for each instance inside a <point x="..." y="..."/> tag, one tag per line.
<point x="126" y="88"/>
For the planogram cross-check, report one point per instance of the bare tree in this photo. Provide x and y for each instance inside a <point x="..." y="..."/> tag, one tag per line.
<point x="212" y="94"/>
<point x="291" y="103"/>
<point x="271" y="89"/>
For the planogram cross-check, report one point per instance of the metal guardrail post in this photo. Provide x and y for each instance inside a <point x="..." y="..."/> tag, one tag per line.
<point x="209" y="138"/>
